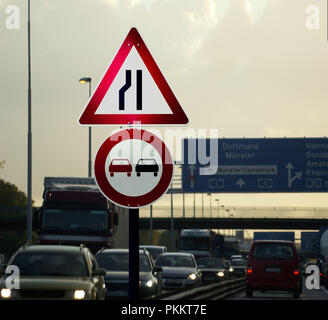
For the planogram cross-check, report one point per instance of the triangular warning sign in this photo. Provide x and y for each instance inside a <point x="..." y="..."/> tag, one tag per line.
<point x="133" y="91"/>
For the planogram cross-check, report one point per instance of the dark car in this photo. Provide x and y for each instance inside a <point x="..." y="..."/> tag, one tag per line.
<point x="238" y="267"/>
<point x="213" y="269"/>
<point x="120" y="165"/>
<point x="273" y="265"/>
<point x="56" y="272"/>
<point x="180" y="270"/>
<point x="116" y="263"/>
<point x="155" y="251"/>
<point x="147" y="165"/>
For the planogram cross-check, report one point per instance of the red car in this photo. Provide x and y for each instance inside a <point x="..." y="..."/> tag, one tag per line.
<point x="120" y="165"/>
<point x="273" y="265"/>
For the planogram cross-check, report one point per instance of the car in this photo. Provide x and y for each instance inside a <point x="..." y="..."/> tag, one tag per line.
<point x="273" y="265"/>
<point x="116" y="263"/>
<point x="236" y="256"/>
<point x="56" y="272"/>
<point x="237" y="267"/>
<point x="180" y="270"/>
<point x="213" y="269"/>
<point x="147" y="165"/>
<point x="155" y="251"/>
<point x="120" y="165"/>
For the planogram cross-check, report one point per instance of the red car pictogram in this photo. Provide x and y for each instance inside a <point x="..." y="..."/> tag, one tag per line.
<point x="120" y="165"/>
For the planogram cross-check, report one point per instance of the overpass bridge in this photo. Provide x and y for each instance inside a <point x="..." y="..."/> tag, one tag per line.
<point x="234" y="223"/>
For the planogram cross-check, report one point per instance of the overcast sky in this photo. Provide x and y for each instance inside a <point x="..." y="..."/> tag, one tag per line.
<point x="249" y="68"/>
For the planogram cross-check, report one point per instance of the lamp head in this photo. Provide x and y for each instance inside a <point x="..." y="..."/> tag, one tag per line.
<point x="85" y="80"/>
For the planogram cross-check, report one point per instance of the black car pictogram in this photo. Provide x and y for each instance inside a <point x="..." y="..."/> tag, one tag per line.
<point x="147" y="165"/>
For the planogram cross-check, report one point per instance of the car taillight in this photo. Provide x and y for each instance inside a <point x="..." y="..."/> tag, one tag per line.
<point x="320" y="274"/>
<point x="296" y="272"/>
<point x="249" y="270"/>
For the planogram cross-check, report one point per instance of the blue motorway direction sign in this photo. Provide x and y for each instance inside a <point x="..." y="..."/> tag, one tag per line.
<point x="309" y="241"/>
<point x="255" y="165"/>
<point x="287" y="236"/>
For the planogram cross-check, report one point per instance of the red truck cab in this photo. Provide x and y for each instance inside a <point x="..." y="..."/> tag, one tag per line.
<point x="73" y="212"/>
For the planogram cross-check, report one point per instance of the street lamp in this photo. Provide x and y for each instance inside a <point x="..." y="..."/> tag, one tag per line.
<point x="29" y="214"/>
<point x="83" y="81"/>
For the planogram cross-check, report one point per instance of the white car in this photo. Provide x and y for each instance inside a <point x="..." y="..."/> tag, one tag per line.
<point x="180" y="270"/>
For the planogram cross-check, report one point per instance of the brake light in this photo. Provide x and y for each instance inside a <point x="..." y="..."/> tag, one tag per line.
<point x="296" y="272"/>
<point x="249" y="270"/>
<point x="320" y="274"/>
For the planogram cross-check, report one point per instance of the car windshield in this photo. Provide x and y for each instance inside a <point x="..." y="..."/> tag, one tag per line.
<point x="75" y="219"/>
<point x="120" y="162"/>
<point x="175" y="261"/>
<point x="154" y="252"/>
<point x="273" y="251"/>
<point x="238" y="263"/>
<point x="147" y="162"/>
<point x="195" y="243"/>
<point x="119" y="261"/>
<point x="210" y="263"/>
<point x="51" y="264"/>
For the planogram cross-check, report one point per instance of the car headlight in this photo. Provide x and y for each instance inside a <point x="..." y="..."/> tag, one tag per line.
<point x="79" y="294"/>
<point x="231" y="269"/>
<point x="192" y="276"/>
<point x="5" y="293"/>
<point x="149" y="283"/>
<point x="220" y="274"/>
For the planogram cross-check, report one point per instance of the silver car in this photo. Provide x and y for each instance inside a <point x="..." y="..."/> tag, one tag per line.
<point x="180" y="270"/>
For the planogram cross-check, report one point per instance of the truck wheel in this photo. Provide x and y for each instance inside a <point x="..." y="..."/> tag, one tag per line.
<point x="249" y="292"/>
<point x="138" y="174"/>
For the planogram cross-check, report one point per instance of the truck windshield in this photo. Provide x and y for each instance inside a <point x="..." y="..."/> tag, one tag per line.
<point x="75" y="219"/>
<point x="195" y="243"/>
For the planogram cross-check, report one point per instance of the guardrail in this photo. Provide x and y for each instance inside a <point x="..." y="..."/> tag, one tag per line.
<point x="214" y="291"/>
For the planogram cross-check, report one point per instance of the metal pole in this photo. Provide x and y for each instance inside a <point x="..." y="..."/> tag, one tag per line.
<point x="211" y="205"/>
<point x="183" y="206"/>
<point x="133" y="254"/>
<point x="172" y="223"/>
<point x="151" y="224"/>
<point x="194" y="205"/>
<point x="90" y="162"/>
<point x="29" y="135"/>
<point x="202" y="205"/>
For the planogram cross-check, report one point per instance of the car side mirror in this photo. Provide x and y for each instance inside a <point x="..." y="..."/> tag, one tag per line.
<point x="99" y="272"/>
<point x="157" y="269"/>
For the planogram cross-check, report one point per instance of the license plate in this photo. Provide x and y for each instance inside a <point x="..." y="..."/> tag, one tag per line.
<point x="272" y="269"/>
<point x="173" y="282"/>
<point x="209" y="278"/>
